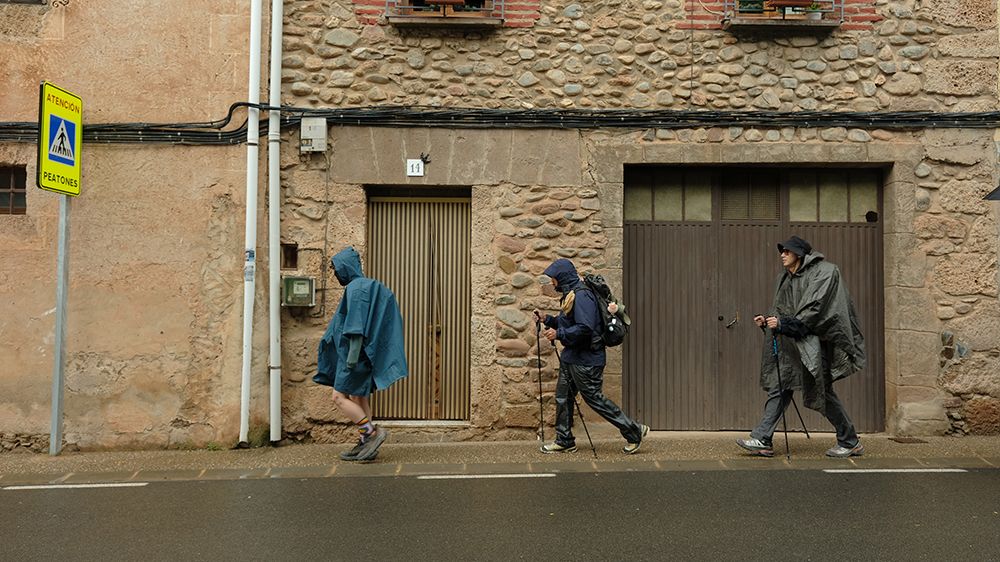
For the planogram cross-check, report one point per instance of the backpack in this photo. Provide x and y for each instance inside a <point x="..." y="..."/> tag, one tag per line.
<point x="615" y="326"/>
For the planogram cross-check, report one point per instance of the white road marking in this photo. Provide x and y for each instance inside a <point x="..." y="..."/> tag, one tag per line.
<point x="477" y="476"/>
<point x="889" y="470"/>
<point x="71" y="486"/>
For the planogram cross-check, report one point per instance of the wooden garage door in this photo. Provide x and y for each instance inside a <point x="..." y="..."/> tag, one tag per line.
<point x="701" y="261"/>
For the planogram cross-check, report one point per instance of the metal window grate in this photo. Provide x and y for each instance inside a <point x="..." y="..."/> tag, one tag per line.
<point x="759" y="199"/>
<point x="13" y="190"/>
<point x="784" y="10"/>
<point x="445" y="8"/>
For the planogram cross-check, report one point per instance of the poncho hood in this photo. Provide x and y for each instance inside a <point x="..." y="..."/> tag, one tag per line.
<point x="347" y="265"/>
<point x="564" y="272"/>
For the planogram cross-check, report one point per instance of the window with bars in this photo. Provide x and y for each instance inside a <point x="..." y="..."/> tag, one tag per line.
<point x="13" y="190"/>
<point x="751" y="195"/>
<point x="444" y="8"/>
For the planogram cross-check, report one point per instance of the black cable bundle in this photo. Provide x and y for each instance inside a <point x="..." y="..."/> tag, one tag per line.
<point x="215" y="132"/>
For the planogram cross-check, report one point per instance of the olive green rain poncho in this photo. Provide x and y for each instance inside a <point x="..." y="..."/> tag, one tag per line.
<point x="820" y="340"/>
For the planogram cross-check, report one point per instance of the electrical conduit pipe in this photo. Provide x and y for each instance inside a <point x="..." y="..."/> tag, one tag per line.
<point x="274" y="218"/>
<point x="250" y="248"/>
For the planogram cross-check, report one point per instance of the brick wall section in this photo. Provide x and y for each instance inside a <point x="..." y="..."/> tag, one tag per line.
<point x="706" y="14"/>
<point x="369" y="11"/>
<point x="517" y="13"/>
<point x="522" y="13"/>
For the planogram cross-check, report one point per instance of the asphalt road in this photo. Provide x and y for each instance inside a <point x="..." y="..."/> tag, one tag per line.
<point x="721" y="515"/>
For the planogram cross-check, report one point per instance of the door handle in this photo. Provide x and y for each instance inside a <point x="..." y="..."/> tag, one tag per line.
<point x="734" y="320"/>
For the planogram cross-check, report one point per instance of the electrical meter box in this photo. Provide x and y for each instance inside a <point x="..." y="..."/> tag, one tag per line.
<point x="312" y="135"/>
<point x="298" y="291"/>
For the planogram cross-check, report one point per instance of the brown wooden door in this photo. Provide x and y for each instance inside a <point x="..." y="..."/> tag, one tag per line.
<point x="701" y="261"/>
<point x="420" y="248"/>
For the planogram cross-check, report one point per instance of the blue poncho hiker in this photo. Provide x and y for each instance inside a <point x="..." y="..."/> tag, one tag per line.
<point x="362" y="350"/>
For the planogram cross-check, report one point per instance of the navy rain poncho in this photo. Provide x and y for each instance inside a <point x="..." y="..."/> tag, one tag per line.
<point x="368" y="315"/>
<point x="577" y="329"/>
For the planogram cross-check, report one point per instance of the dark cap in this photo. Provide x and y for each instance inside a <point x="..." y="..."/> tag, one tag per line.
<point x="797" y="246"/>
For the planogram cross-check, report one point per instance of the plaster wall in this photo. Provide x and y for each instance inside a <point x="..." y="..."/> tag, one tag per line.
<point x="155" y="239"/>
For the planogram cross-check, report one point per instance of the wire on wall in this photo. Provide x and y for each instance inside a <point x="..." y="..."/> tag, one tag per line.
<point x="219" y="132"/>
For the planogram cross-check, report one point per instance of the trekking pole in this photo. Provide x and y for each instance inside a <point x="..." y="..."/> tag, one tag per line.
<point x="781" y="396"/>
<point x="774" y="348"/>
<point x="538" y="350"/>
<point x="578" y="410"/>
<point x="584" y="422"/>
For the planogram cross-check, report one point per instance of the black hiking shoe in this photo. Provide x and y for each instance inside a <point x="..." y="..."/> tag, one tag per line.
<point x="352" y="454"/>
<point x="370" y="447"/>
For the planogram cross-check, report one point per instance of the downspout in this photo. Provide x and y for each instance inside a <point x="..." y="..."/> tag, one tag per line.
<point x="274" y="217"/>
<point x="250" y="248"/>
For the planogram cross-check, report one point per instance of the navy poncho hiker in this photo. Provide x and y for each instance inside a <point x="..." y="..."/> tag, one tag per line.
<point x="581" y="364"/>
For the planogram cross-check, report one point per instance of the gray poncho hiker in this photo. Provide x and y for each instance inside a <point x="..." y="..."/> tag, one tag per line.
<point x="820" y="340"/>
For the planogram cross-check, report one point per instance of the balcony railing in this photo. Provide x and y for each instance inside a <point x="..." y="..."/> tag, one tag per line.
<point x="465" y="13"/>
<point x="783" y="14"/>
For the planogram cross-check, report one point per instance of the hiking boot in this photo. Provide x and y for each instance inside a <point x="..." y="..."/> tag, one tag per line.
<point x="557" y="448"/>
<point x="353" y="453"/>
<point x="756" y="447"/>
<point x="632" y="448"/>
<point x="370" y="447"/>
<point x="846" y="452"/>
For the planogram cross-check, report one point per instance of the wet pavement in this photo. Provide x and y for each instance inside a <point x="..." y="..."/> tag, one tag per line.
<point x="661" y="451"/>
<point x="546" y="515"/>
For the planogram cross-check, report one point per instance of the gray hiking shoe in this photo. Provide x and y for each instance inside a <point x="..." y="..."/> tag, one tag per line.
<point x="557" y="448"/>
<point x="839" y="452"/>
<point x="756" y="447"/>
<point x="353" y="453"/>
<point x="633" y="448"/>
<point x="370" y="447"/>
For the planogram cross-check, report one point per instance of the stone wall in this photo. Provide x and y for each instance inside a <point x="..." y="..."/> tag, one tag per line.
<point x="156" y="240"/>
<point x="940" y="240"/>
<point x="622" y="53"/>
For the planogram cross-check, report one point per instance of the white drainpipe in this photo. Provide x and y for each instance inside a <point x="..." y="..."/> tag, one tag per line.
<point x="274" y="218"/>
<point x="250" y="253"/>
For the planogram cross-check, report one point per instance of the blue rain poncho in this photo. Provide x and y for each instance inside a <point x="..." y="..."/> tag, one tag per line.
<point x="362" y="348"/>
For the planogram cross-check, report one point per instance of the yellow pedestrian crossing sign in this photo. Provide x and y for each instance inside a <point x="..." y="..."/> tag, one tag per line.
<point x="60" y="138"/>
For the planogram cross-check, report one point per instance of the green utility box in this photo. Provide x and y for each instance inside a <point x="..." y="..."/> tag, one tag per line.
<point x="298" y="291"/>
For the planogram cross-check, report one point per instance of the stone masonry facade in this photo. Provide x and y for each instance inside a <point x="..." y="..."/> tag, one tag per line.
<point x="154" y="339"/>
<point x="942" y="316"/>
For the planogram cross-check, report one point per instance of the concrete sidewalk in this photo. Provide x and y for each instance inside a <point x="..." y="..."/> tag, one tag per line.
<point x="661" y="451"/>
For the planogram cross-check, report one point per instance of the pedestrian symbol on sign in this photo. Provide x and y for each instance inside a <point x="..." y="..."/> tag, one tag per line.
<point x="62" y="140"/>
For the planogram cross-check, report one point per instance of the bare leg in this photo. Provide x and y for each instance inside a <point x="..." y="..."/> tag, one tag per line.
<point x="350" y="408"/>
<point x="365" y="404"/>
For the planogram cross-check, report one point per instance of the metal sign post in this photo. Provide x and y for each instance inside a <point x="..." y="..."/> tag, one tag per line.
<point x="55" y="432"/>
<point x="60" y="138"/>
